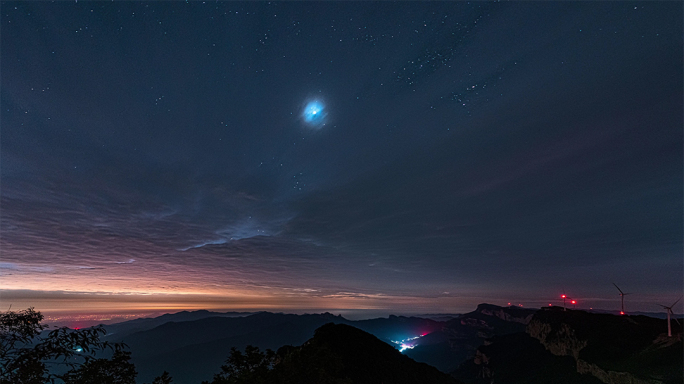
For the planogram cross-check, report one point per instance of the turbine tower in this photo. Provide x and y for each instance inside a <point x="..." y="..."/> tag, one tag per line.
<point x="622" y="297"/>
<point x="669" y="314"/>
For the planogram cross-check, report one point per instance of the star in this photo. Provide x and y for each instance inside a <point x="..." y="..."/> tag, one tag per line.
<point x="314" y="113"/>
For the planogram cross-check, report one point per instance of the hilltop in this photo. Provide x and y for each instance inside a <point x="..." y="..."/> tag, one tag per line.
<point x="339" y="353"/>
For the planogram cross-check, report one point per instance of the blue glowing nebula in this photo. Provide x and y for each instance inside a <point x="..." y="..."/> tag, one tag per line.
<point x="314" y="113"/>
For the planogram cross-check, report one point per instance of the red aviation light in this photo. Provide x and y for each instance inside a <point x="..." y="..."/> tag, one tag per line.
<point x="573" y="302"/>
<point x="562" y="296"/>
<point x="622" y="313"/>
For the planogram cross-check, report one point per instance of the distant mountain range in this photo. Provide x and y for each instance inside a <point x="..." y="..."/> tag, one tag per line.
<point x="192" y="346"/>
<point x="143" y="324"/>
<point x="491" y="340"/>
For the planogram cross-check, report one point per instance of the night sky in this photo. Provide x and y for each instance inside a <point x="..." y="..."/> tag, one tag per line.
<point x="394" y="157"/>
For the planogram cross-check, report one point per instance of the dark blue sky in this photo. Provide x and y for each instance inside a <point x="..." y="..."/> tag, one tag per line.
<point x="461" y="152"/>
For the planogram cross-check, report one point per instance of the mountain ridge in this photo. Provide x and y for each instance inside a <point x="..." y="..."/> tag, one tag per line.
<point x="193" y="350"/>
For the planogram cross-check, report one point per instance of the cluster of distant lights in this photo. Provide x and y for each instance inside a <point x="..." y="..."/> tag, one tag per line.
<point x="101" y="317"/>
<point x="93" y="317"/>
<point x="406" y="343"/>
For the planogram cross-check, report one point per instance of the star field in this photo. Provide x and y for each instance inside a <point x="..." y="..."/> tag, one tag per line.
<point x="396" y="157"/>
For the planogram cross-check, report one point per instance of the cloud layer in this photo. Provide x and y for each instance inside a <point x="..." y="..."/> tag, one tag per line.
<point x="457" y="164"/>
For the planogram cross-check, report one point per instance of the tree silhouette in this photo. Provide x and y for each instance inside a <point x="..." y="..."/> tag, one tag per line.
<point x="165" y="378"/>
<point x="117" y="370"/>
<point x="252" y="367"/>
<point x="28" y="356"/>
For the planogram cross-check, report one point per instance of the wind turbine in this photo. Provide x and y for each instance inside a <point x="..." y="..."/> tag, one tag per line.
<point x="622" y="296"/>
<point x="564" y="297"/>
<point x="669" y="313"/>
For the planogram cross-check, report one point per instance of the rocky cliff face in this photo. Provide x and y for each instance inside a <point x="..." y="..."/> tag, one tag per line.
<point x="488" y="320"/>
<point x="506" y="314"/>
<point x="519" y="359"/>
<point x="610" y="348"/>
<point x="579" y="347"/>
<point x="460" y="337"/>
<point x="559" y="339"/>
<point x="611" y="377"/>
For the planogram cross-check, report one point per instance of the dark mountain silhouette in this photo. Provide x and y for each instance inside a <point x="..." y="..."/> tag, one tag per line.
<point x="519" y="359"/>
<point x="192" y="362"/>
<point x="143" y="324"/>
<point x="492" y="340"/>
<point x="193" y="350"/>
<point x="458" y="340"/>
<point x="580" y="347"/>
<point x="339" y="353"/>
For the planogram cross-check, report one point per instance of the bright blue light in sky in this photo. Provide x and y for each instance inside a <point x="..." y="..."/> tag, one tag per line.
<point x="314" y="113"/>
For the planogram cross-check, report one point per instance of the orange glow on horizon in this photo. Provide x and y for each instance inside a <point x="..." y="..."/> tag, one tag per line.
<point x="61" y="304"/>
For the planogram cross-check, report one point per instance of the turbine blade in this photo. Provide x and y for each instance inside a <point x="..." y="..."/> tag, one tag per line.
<point x="673" y="304"/>
<point x="618" y="288"/>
